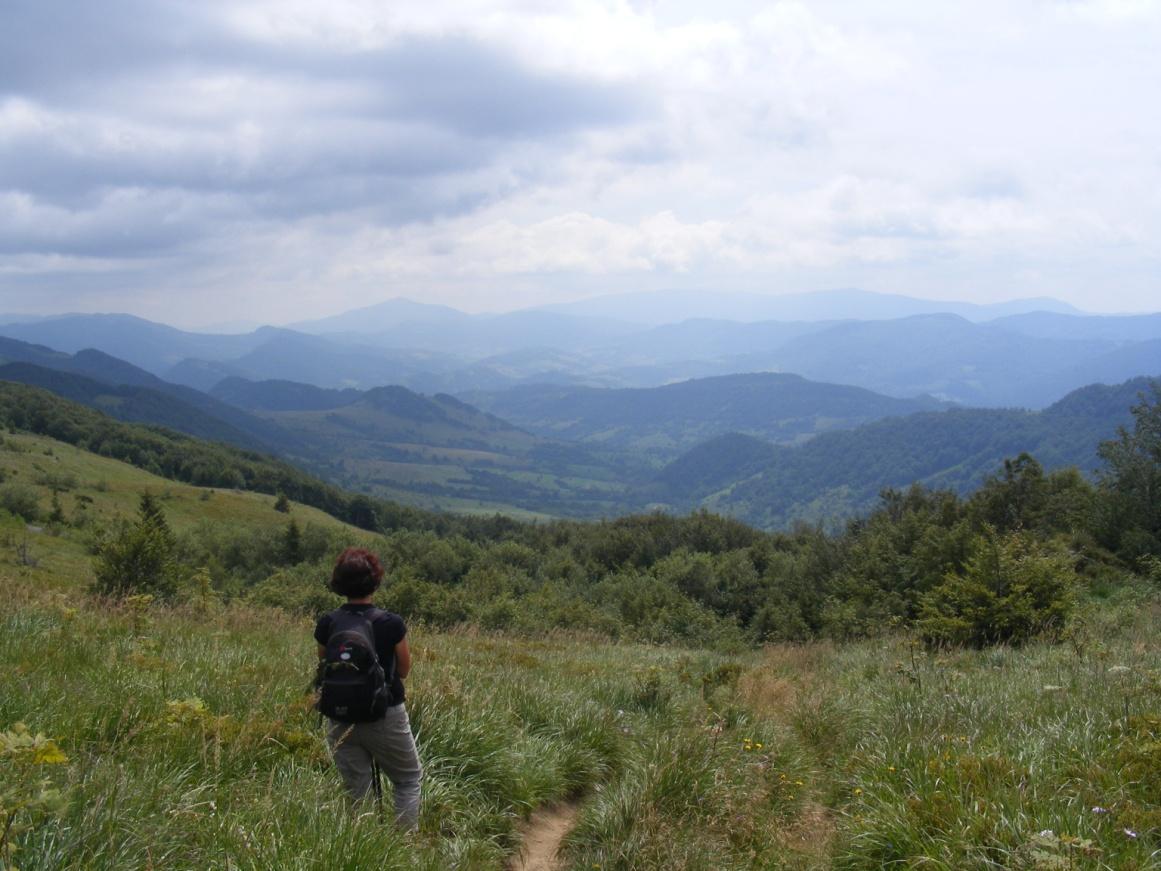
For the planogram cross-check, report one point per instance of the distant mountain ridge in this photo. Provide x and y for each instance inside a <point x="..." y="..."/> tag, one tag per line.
<point x="670" y="306"/>
<point x="131" y="394"/>
<point x="1022" y="358"/>
<point x="664" y="420"/>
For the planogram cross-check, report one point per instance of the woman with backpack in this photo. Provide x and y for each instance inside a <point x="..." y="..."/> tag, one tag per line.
<point x="363" y="659"/>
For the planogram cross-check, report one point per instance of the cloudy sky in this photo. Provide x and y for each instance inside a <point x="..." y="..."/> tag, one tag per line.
<point x="200" y="162"/>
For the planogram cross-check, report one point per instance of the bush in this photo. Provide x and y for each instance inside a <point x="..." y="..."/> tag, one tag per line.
<point x="300" y="589"/>
<point x="20" y="500"/>
<point x="136" y="558"/>
<point x="1011" y="590"/>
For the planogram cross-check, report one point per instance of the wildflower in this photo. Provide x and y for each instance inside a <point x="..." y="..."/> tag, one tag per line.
<point x="1097" y="809"/>
<point x="890" y="767"/>
<point x="799" y="783"/>
<point x="858" y="790"/>
<point x="1047" y="833"/>
<point x="1129" y="833"/>
<point x="1119" y="669"/>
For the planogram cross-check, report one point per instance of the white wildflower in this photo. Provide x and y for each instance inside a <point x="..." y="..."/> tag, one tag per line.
<point x="1119" y="669"/>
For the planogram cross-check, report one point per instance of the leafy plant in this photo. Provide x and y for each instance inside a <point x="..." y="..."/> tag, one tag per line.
<point x="27" y="796"/>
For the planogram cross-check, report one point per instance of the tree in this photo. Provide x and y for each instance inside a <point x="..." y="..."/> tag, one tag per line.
<point x="138" y="557"/>
<point x="292" y="544"/>
<point x="361" y="513"/>
<point x="1130" y="523"/>
<point x="1013" y="498"/>
<point x="1011" y="589"/>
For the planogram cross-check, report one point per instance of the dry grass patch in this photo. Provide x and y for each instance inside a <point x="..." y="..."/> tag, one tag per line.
<point x="786" y="674"/>
<point x="810" y="834"/>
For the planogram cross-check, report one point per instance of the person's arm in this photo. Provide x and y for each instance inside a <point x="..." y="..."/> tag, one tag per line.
<point x="402" y="659"/>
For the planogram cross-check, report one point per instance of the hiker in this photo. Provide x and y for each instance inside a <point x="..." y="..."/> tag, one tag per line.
<point x="368" y="723"/>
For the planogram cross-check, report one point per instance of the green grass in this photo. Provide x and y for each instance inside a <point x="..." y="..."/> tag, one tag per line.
<point x="190" y="742"/>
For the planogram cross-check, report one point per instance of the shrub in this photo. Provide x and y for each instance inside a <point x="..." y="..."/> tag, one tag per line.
<point x="21" y="500"/>
<point x="1011" y="589"/>
<point x="300" y="589"/>
<point x="138" y="557"/>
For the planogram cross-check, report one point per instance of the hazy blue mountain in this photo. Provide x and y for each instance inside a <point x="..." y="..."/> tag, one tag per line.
<point x="840" y="474"/>
<point x="1055" y="325"/>
<point x="154" y="347"/>
<point x="705" y="340"/>
<point x="664" y="420"/>
<point x="15" y="351"/>
<point x="1026" y="360"/>
<point x="488" y="335"/>
<point x="134" y="404"/>
<point x="942" y="355"/>
<point x="672" y="306"/>
<point x="317" y="360"/>
<point x="382" y="317"/>
<point x="97" y="368"/>
<point x="1126" y="361"/>
<point x="279" y="395"/>
<point x="202" y="374"/>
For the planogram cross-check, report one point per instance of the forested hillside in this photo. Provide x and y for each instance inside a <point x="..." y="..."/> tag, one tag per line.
<point x="667" y="420"/>
<point x="839" y="475"/>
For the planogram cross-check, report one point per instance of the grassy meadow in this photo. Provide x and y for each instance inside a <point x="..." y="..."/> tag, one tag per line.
<point x="180" y="735"/>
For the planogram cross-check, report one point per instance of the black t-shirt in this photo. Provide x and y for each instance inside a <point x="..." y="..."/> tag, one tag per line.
<point x="389" y="630"/>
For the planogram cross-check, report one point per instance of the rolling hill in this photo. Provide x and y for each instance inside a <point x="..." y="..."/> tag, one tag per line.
<point x="839" y="475"/>
<point x="128" y="393"/>
<point x="664" y="421"/>
<point x="439" y="452"/>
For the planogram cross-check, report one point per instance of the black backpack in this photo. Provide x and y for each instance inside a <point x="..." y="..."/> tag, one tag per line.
<point x="353" y="687"/>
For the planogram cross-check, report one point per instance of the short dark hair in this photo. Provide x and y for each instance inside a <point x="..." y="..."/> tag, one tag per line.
<point x="357" y="573"/>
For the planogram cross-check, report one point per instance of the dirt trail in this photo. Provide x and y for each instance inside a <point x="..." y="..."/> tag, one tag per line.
<point x="542" y="836"/>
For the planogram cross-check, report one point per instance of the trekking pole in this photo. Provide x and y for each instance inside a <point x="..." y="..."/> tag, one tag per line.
<point x="377" y="786"/>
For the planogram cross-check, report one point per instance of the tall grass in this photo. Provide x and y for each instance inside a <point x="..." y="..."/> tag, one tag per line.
<point x="191" y="745"/>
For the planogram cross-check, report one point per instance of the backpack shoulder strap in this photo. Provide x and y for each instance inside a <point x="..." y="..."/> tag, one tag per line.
<point x="373" y="614"/>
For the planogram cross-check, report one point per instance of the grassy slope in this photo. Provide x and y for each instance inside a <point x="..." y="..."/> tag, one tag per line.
<point x="816" y="756"/>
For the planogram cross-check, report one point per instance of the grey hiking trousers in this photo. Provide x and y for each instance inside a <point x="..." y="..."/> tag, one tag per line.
<point x="389" y="742"/>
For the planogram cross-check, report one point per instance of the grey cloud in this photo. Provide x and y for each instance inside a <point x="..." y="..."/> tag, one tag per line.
<point x="466" y="86"/>
<point x="71" y="51"/>
<point x="369" y="133"/>
<point x="67" y="166"/>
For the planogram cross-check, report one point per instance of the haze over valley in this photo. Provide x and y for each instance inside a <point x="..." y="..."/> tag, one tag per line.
<point x="576" y="413"/>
